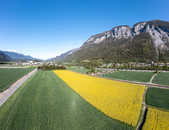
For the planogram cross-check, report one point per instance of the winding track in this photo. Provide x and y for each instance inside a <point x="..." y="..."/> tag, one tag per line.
<point x="7" y="93"/>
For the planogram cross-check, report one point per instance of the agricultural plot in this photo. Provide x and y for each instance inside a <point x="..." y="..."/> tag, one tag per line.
<point x="9" y="76"/>
<point x="162" y="78"/>
<point x="156" y="120"/>
<point x="158" y="109"/>
<point x="158" y="97"/>
<point x="131" y="76"/>
<point x="45" y="102"/>
<point x="78" y="69"/>
<point x="118" y="100"/>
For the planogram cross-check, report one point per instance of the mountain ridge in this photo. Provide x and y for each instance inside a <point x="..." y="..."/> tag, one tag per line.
<point x="4" y="57"/>
<point x="144" y="41"/>
<point x="15" y="56"/>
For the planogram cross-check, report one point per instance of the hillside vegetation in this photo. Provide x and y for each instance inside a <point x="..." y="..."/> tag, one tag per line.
<point x="144" y="42"/>
<point x="3" y="57"/>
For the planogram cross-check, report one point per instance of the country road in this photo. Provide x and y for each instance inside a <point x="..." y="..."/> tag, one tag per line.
<point x="7" y="93"/>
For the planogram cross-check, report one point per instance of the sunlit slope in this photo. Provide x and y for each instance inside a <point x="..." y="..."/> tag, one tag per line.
<point x="156" y="120"/>
<point x="121" y="101"/>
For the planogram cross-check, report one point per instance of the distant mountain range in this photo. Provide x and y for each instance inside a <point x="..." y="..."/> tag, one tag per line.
<point x="4" y="57"/>
<point x="13" y="56"/>
<point x="144" y="42"/>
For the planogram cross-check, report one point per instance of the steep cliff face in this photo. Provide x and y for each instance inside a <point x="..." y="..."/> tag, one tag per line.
<point x="158" y="30"/>
<point x="117" y="33"/>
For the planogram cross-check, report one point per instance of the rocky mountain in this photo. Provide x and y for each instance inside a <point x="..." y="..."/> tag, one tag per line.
<point x="65" y="56"/>
<point x="158" y="30"/>
<point x="144" y="42"/>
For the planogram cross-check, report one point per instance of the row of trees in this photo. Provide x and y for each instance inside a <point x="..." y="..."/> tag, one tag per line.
<point x="51" y="67"/>
<point x="91" y="64"/>
<point x="94" y="63"/>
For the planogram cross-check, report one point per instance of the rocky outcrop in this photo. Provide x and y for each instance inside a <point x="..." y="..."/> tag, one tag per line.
<point x="158" y="30"/>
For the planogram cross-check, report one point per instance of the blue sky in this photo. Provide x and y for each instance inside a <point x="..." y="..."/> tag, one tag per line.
<point x="46" y="28"/>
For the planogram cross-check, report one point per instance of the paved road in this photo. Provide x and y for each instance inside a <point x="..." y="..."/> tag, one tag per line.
<point x="7" y="93"/>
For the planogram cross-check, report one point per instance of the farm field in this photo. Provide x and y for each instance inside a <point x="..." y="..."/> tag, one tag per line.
<point x="45" y="102"/>
<point x="131" y="76"/>
<point x="78" y="69"/>
<point x="156" y="120"/>
<point x="162" y="78"/>
<point x="158" y="97"/>
<point x="9" y="75"/>
<point x="118" y="100"/>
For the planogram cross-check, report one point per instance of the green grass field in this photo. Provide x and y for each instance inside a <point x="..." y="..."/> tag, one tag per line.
<point x="78" y="69"/>
<point x="9" y="76"/>
<point x="131" y="76"/>
<point x="162" y="78"/>
<point x="45" y="102"/>
<point x="158" y="97"/>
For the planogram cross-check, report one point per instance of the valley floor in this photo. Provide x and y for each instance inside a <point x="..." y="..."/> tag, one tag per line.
<point x="67" y="100"/>
<point x="45" y="102"/>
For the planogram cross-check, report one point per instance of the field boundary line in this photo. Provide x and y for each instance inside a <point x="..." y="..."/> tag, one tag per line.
<point x="153" y="85"/>
<point x="159" y="108"/>
<point x="141" y="83"/>
<point x="8" y="92"/>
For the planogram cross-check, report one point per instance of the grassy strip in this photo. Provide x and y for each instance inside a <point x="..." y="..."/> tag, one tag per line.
<point x="158" y="97"/>
<point x="79" y="69"/>
<point x="162" y="78"/>
<point x="9" y="76"/>
<point x="45" y="102"/>
<point x="131" y="76"/>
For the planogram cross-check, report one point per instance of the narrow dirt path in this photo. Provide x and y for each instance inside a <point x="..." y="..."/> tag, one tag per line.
<point x="151" y="80"/>
<point x="143" y="112"/>
<point x="144" y="106"/>
<point x="7" y="93"/>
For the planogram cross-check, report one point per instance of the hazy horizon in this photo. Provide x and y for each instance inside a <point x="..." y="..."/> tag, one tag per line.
<point x="45" y="29"/>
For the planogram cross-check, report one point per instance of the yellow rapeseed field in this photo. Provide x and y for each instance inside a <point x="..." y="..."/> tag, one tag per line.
<point x="156" y="120"/>
<point x="119" y="100"/>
